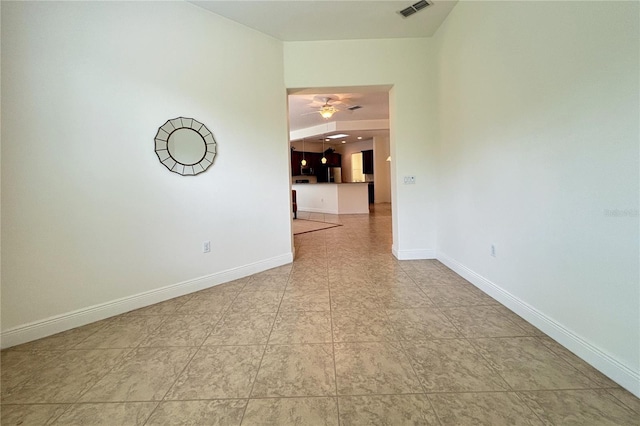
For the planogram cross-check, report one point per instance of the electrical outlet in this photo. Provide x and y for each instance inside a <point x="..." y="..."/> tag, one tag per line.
<point x="493" y="250"/>
<point x="409" y="180"/>
<point x="206" y="246"/>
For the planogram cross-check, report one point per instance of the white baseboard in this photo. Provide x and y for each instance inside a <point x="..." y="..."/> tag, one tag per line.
<point x="59" y="323"/>
<point x="596" y="357"/>
<point x="415" y="254"/>
<point x="314" y="210"/>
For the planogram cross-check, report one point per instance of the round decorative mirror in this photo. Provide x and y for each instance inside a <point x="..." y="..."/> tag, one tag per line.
<point x="185" y="146"/>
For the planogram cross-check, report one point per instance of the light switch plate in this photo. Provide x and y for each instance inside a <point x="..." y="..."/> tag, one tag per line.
<point x="409" y="180"/>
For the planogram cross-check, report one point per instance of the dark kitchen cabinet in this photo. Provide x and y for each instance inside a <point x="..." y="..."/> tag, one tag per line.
<point x="334" y="160"/>
<point x="314" y="162"/>
<point x="296" y="158"/>
<point x="323" y="174"/>
<point x="367" y="162"/>
<point x="312" y="158"/>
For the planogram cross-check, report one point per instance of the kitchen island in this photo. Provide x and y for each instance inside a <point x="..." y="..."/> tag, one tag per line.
<point x="332" y="198"/>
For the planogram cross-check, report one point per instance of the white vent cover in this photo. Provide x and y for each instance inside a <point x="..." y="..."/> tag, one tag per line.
<point x="414" y="8"/>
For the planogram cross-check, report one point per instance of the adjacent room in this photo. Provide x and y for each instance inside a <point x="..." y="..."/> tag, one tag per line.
<point x="484" y="270"/>
<point x="340" y="162"/>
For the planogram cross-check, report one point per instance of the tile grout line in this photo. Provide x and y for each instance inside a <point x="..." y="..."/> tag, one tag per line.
<point x="333" y="345"/>
<point x="199" y="348"/>
<point x="488" y="362"/>
<point x="352" y="238"/>
<point x="333" y="348"/>
<point x="264" y="351"/>
<point x="557" y="355"/>
<point x="620" y="400"/>
<point x="469" y="392"/>
<point x="125" y="355"/>
<point x="493" y="368"/>
<point x="409" y="359"/>
<point x="70" y="405"/>
<point x="462" y="337"/>
<point x="524" y="402"/>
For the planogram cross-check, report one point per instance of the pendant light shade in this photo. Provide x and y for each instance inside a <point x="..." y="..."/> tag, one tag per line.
<point x="327" y="111"/>
<point x="303" y="162"/>
<point x="324" y="158"/>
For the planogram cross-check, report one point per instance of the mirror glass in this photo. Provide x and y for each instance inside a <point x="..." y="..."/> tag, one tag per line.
<point x="185" y="146"/>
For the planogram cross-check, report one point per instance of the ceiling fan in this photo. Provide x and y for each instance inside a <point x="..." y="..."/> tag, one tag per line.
<point x="326" y="110"/>
<point x="326" y="105"/>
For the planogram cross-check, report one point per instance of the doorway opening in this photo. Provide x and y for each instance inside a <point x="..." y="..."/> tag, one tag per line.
<point x="340" y="136"/>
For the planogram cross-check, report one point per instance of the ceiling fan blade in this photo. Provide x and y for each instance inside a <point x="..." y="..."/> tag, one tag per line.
<point x="323" y="99"/>
<point x="346" y="102"/>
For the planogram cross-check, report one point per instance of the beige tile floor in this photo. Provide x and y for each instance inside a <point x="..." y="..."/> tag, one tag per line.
<point x="347" y="335"/>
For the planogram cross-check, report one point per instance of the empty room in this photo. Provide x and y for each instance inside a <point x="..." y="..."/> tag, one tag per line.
<point x="152" y="269"/>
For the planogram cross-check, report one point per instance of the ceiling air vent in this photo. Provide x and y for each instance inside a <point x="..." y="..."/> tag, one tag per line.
<point x="414" y="8"/>
<point x="355" y="107"/>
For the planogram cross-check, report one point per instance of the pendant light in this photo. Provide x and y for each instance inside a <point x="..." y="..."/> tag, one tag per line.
<point x="303" y="162"/>
<point x="324" y="158"/>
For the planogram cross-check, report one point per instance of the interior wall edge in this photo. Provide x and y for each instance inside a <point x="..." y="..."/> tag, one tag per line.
<point x="413" y="254"/>
<point x="593" y="355"/>
<point x="67" y="321"/>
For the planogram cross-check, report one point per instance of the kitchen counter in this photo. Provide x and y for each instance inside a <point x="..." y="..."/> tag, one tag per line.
<point x="333" y="198"/>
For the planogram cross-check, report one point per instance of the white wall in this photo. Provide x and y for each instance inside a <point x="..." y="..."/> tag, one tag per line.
<point x="0" y="186"/>
<point x="538" y="145"/>
<point x="408" y="66"/>
<point x="382" y="169"/>
<point x="321" y="198"/>
<point x="90" y="218"/>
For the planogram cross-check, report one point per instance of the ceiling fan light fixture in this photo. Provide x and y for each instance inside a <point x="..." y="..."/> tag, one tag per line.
<point x="327" y="111"/>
